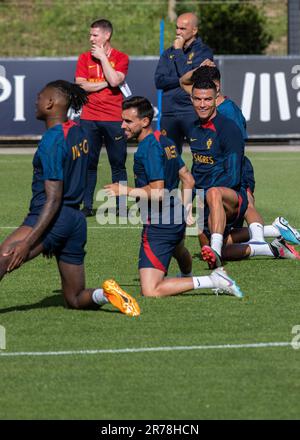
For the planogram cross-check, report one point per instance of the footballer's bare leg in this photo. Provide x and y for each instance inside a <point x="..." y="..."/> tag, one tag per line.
<point x="235" y="252"/>
<point x="203" y="239"/>
<point x="183" y="257"/>
<point x="252" y="215"/>
<point x="242" y="235"/>
<point x="16" y="236"/>
<point x="238" y="235"/>
<point x="154" y="283"/>
<point x="223" y="206"/>
<point x="75" y="294"/>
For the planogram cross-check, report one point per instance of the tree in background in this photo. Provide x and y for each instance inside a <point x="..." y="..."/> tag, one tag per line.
<point x="230" y="28"/>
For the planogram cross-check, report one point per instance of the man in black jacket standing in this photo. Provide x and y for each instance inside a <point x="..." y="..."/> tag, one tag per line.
<point x="187" y="53"/>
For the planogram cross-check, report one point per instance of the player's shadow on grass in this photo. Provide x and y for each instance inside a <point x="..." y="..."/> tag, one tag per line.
<point x="202" y="293"/>
<point x="49" y="301"/>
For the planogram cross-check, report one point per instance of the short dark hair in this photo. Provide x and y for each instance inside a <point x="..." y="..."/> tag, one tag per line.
<point x="74" y="95"/>
<point x="204" y="85"/>
<point x="103" y="24"/>
<point x="206" y="73"/>
<point x="143" y="106"/>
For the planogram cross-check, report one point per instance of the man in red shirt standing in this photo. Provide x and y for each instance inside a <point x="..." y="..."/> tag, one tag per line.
<point x="100" y="72"/>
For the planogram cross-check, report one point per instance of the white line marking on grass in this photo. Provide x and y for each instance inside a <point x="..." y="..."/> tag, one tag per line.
<point x="144" y="349"/>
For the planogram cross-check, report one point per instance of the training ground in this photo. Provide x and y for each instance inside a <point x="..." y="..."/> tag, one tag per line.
<point x="194" y="356"/>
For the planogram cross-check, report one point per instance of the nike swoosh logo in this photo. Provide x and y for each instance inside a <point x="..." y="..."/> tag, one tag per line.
<point x="118" y="138"/>
<point x="193" y="140"/>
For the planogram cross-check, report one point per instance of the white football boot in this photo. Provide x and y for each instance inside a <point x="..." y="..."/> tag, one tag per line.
<point x="224" y="284"/>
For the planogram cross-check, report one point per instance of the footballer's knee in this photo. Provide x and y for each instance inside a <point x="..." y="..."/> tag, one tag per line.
<point x="150" y="291"/>
<point x="4" y="262"/>
<point x="71" y="302"/>
<point x="213" y="195"/>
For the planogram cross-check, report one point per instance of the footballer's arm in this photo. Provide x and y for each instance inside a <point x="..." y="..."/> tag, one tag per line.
<point x="187" y="185"/>
<point x="20" y="251"/>
<point x="153" y="191"/>
<point x="90" y="86"/>
<point x="186" y="82"/>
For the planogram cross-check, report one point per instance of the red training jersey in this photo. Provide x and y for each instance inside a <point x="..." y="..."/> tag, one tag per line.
<point x="105" y="105"/>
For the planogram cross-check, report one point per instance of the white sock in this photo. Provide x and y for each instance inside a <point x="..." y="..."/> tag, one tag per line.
<point x="260" y="249"/>
<point x="271" y="231"/>
<point x="203" y="282"/>
<point x="99" y="298"/>
<point x="217" y="242"/>
<point x="256" y="231"/>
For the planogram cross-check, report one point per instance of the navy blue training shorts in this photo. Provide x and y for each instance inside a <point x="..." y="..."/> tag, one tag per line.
<point x="66" y="236"/>
<point x="158" y="245"/>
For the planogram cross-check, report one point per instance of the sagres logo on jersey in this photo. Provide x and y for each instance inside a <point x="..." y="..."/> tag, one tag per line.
<point x="209" y="143"/>
<point x="171" y="152"/>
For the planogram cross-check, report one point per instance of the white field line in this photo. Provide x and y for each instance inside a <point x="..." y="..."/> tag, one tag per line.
<point x="144" y="349"/>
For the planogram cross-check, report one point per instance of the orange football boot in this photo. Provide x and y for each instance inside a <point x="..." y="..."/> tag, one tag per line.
<point x="120" y="299"/>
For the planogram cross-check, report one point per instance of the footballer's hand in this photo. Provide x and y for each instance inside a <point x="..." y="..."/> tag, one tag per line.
<point x="19" y="253"/>
<point x="190" y="220"/>
<point x="208" y="62"/>
<point x="98" y="52"/>
<point x="178" y="42"/>
<point x="116" y="189"/>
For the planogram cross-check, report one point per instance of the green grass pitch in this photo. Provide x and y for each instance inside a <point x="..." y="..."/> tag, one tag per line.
<point x="227" y="383"/>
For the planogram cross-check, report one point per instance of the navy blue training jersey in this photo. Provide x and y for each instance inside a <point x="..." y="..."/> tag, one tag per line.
<point x="62" y="154"/>
<point x="173" y="64"/>
<point x="232" y="111"/>
<point x="155" y="160"/>
<point x="248" y="179"/>
<point x="218" y="152"/>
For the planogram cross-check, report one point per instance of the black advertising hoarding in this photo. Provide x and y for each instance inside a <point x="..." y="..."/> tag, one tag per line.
<point x="22" y="79"/>
<point x="266" y="88"/>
